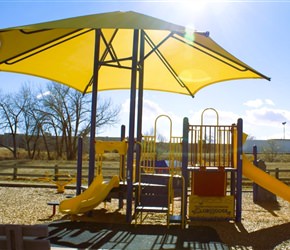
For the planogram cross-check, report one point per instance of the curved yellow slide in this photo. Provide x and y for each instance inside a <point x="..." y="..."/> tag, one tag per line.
<point x="265" y="180"/>
<point x="90" y="198"/>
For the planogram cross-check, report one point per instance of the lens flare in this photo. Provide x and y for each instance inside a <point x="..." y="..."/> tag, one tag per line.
<point x="189" y="34"/>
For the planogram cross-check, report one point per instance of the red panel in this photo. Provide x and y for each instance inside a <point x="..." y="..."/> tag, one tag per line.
<point x="205" y="183"/>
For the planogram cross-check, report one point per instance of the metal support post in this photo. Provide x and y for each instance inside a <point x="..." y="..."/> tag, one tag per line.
<point x="185" y="162"/>
<point x="130" y="158"/>
<point x="239" y="170"/>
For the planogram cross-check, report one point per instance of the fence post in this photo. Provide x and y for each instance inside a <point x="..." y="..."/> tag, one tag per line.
<point x="56" y="172"/>
<point x="277" y="173"/>
<point x="15" y="172"/>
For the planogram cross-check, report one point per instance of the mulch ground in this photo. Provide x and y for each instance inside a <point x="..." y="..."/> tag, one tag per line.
<point x="263" y="226"/>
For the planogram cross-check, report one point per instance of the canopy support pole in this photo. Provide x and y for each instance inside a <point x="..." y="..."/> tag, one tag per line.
<point x="239" y="171"/>
<point x="184" y="171"/>
<point x="140" y="104"/>
<point x="131" y="143"/>
<point x="91" y="173"/>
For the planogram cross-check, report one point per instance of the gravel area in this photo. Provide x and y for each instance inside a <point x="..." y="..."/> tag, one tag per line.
<point x="264" y="226"/>
<point x="28" y="205"/>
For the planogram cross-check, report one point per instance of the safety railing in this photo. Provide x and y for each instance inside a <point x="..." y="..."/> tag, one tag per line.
<point x="211" y="145"/>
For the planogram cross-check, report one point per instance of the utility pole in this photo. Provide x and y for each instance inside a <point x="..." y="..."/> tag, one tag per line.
<point x="284" y="123"/>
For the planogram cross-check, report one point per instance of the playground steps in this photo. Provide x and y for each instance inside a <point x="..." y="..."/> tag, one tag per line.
<point x="153" y="195"/>
<point x="153" y="198"/>
<point x="177" y="219"/>
<point x="163" y="179"/>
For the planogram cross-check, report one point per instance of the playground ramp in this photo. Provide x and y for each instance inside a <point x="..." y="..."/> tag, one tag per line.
<point x="90" y="198"/>
<point x="265" y="180"/>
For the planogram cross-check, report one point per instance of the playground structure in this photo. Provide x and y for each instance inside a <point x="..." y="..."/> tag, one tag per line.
<point x="202" y="170"/>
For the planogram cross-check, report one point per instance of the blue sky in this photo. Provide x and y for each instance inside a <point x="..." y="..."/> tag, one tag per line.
<point x="257" y="32"/>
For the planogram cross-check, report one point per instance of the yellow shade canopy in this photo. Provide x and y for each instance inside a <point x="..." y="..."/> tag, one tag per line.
<point x="175" y="60"/>
<point x="119" y="50"/>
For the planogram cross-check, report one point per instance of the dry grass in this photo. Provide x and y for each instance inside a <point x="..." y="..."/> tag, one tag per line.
<point x="110" y="165"/>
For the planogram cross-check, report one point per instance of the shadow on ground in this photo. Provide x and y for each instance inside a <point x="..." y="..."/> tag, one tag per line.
<point x="108" y="230"/>
<point x="88" y="235"/>
<point x="271" y="207"/>
<point x="235" y="236"/>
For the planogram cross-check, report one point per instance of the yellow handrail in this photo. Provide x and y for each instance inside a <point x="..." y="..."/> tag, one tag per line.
<point x="201" y="134"/>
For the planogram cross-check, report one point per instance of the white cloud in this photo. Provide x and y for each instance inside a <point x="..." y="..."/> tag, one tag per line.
<point x="254" y="103"/>
<point x="269" y="102"/>
<point x="264" y="122"/>
<point x="267" y="116"/>
<point x="151" y="110"/>
<point x="257" y="103"/>
<point x="125" y="107"/>
<point x="210" y="117"/>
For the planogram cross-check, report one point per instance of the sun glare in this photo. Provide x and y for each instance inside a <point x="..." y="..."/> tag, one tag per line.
<point x="195" y="5"/>
<point x="194" y="14"/>
<point x="191" y="8"/>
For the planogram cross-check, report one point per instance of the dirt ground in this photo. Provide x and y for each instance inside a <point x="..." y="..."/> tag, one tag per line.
<point x="263" y="226"/>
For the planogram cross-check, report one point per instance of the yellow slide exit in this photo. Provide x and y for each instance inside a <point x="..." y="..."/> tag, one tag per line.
<point x="265" y="180"/>
<point x="89" y="199"/>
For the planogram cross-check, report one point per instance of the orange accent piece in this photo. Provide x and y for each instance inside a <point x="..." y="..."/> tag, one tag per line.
<point x="209" y="183"/>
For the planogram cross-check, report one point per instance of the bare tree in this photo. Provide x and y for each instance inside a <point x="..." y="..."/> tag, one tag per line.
<point x="67" y="116"/>
<point x="30" y="122"/>
<point x="10" y="117"/>
<point x="61" y="107"/>
<point x="57" y="112"/>
<point x="107" y="113"/>
<point x="271" y="150"/>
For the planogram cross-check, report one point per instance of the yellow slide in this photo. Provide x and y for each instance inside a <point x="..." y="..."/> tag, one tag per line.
<point x="89" y="199"/>
<point x="265" y="180"/>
